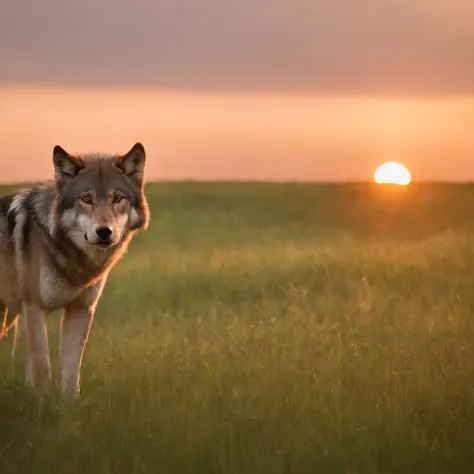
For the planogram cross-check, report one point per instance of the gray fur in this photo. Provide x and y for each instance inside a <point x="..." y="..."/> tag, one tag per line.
<point x="53" y="254"/>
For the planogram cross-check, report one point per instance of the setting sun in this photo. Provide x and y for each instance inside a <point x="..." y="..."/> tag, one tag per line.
<point x="392" y="173"/>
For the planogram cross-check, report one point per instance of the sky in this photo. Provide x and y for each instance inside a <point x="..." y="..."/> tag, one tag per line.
<point x="249" y="89"/>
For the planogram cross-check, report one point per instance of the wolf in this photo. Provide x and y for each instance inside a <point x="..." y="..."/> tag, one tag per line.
<point x="59" y="240"/>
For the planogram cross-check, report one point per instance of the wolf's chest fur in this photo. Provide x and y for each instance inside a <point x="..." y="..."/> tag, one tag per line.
<point x="54" y="291"/>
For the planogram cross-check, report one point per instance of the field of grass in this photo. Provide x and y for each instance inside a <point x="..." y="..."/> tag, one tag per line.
<point x="272" y="328"/>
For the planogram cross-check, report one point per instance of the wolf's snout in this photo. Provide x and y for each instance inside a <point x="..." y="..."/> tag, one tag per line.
<point x="104" y="232"/>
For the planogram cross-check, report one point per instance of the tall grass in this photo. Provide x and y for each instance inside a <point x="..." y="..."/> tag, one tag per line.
<point x="272" y="328"/>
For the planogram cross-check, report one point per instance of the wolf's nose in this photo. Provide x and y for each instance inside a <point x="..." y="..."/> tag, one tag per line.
<point x="104" y="232"/>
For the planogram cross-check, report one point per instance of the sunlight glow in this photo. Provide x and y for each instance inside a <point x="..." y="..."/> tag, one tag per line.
<point x="392" y="173"/>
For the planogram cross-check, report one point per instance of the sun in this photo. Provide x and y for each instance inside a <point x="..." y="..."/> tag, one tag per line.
<point x="392" y="173"/>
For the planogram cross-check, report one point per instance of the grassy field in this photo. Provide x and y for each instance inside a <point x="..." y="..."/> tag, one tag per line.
<point x="272" y="328"/>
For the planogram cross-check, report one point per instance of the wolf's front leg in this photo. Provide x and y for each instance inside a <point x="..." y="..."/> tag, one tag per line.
<point x="75" y="327"/>
<point x="38" y="349"/>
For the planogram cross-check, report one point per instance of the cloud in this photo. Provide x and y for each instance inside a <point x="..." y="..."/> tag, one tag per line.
<point x="370" y="46"/>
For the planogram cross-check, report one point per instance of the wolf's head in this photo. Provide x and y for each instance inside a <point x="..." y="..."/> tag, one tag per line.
<point x="100" y="199"/>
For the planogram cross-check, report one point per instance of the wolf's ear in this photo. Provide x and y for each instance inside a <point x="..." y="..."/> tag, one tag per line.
<point x="66" y="166"/>
<point x="133" y="164"/>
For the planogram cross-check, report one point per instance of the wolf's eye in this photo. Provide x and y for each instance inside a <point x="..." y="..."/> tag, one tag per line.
<point x="117" y="198"/>
<point x="87" y="199"/>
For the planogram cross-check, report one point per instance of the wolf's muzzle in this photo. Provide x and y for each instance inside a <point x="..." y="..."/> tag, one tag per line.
<point x="104" y="232"/>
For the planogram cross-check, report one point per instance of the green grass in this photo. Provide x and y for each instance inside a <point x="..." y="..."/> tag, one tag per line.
<point x="272" y="328"/>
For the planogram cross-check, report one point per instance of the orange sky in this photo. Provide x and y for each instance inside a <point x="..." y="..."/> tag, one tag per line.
<point x="238" y="136"/>
<point x="346" y="86"/>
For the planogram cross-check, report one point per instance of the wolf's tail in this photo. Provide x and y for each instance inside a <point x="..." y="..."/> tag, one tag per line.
<point x="6" y="325"/>
<point x="3" y="327"/>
